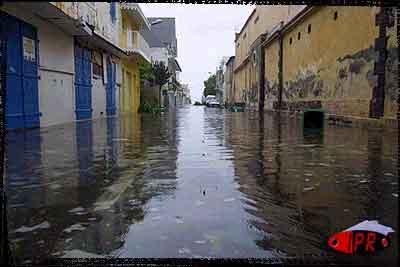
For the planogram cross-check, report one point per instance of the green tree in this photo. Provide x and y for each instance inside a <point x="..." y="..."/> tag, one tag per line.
<point x="209" y="86"/>
<point x="161" y="76"/>
<point x="146" y="72"/>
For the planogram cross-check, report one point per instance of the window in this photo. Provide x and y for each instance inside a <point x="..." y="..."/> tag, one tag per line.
<point x="335" y="15"/>
<point x="309" y="28"/>
<point x="298" y="36"/>
<point x="113" y="12"/>
<point x="256" y="20"/>
<point x="290" y="40"/>
<point x="131" y="38"/>
<point x="244" y="36"/>
<point x="97" y="62"/>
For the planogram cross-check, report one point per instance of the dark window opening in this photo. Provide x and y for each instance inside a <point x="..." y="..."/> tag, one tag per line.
<point x="97" y="65"/>
<point x="256" y="20"/>
<point x="309" y="28"/>
<point x="244" y="36"/>
<point x="335" y="15"/>
<point x="290" y="40"/>
<point x="298" y="36"/>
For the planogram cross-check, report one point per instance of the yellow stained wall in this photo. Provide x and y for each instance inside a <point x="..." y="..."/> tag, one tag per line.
<point x="263" y="18"/>
<point x="271" y="78"/>
<point x="129" y="96"/>
<point x="333" y="63"/>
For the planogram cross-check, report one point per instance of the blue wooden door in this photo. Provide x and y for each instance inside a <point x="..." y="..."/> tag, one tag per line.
<point x="21" y="78"/>
<point x="30" y="78"/>
<point x="83" y="83"/>
<point x="110" y="88"/>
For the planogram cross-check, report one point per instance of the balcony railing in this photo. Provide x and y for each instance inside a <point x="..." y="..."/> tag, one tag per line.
<point x="135" y="8"/>
<point x="136" y="43"/>
<point x="84" y="11"/>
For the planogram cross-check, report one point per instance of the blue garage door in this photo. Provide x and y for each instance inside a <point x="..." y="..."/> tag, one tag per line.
<point x="83" y="83"/>
<point x="21" y="78"/>
<point x="110" y="88"/>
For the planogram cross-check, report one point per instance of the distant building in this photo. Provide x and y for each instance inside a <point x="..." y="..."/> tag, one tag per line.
<point x="229" y="89"/>
<point x="163" y="48"/>
<point x="220" y="80"/>
<point x="186" y="94"/>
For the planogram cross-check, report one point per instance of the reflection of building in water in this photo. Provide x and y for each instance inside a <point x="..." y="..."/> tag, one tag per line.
<point x="95" y="176"/>
<point x="297" y="185"/>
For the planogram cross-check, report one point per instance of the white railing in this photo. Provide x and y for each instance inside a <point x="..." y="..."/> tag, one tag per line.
<point x="85" y="11"/>
<point x="135" y="8"/>
<point x="88" y="13"/>
<point x="136" y="42"/>
<point x="143" y="45"/>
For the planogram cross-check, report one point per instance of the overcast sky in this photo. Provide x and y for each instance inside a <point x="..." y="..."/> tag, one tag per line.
<point x="205" y="34"/>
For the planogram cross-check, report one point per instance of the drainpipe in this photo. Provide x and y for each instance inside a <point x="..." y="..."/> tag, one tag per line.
<point x="377" y="104"/>
<point x="280" y="73"/>
<point x="261" y="77"/>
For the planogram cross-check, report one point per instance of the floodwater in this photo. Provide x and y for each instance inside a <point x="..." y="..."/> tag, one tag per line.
<point x="198" y="182"/>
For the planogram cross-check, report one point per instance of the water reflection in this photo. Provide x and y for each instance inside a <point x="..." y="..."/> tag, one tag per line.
<point x="299" y="183"/>
<point x="198" y="182"/>
<point x="75" y="189"/>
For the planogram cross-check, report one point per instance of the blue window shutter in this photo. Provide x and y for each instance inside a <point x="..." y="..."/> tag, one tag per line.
<point x="113" y="12"/>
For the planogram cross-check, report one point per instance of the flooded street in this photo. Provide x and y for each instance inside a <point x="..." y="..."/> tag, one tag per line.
<point x="198" y="182"/>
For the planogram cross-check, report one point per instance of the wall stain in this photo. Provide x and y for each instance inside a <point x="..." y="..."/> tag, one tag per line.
<point x="368" y="54"/>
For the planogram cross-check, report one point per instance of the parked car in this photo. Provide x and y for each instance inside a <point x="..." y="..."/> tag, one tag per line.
<point x="211" y="101"/>
<point x="209" y="97"/>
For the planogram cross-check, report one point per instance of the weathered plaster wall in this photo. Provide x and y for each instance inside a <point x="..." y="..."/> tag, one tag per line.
<point x="391" y="72"/>
<point x="264" y="18"/>
<point x="332" y="66"/>
<point x="229" y="83"/>
<point x="271" y="57"/>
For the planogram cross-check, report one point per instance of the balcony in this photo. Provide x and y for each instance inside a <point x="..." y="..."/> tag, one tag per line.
<point x="136" y="13"/>
<point x="71" y="17"/>
<point x="137" y="44"/>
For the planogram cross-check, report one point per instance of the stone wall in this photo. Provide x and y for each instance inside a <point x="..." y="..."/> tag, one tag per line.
<point x="328" y="62"/>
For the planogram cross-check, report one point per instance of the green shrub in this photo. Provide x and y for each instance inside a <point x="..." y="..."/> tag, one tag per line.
<point x="149" y="108"/>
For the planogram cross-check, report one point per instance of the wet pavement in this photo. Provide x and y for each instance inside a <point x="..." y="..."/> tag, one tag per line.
<point x="198" y="182"/>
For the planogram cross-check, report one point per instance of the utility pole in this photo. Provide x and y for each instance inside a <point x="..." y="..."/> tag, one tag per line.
<point x="383" y="20"/>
